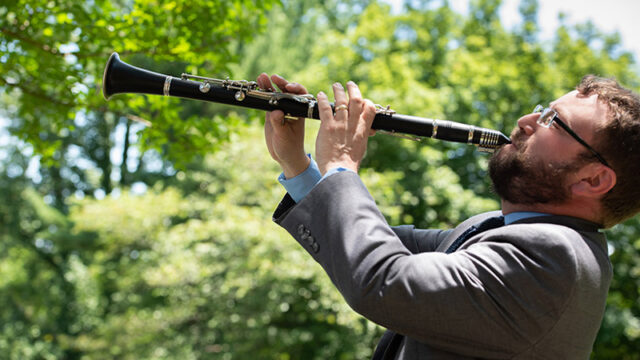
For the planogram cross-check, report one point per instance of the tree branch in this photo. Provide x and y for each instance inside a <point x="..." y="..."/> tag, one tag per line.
<point x="35" y="93"/>
<point x="46" y="48"/>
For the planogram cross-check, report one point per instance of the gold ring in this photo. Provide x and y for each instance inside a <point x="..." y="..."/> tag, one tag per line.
<point x="341" y="107"/>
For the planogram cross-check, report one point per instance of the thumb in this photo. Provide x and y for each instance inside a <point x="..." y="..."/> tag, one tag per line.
<point x="276" y="118"/>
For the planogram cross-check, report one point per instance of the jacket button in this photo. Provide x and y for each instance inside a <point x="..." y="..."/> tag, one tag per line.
<point x="315" y="247"/>
<point x="310" y="240"/>
<point x="301" y="229"/>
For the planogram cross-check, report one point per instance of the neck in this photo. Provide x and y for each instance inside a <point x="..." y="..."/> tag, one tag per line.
<point x="580" y="209"/>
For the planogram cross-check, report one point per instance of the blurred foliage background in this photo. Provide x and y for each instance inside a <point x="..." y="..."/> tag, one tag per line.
<point x="124" y="240"/>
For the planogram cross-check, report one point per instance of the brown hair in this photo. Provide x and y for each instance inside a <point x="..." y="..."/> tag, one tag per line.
<point x="619" y="143"/>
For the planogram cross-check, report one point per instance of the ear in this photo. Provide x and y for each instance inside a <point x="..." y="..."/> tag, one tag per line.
<point x="593" y="181"/>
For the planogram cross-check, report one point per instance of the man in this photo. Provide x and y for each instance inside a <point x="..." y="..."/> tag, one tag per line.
<point x="530" y="282"/>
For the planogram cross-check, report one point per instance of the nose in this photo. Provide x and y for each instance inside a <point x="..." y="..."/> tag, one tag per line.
<point x="528" y="123"/>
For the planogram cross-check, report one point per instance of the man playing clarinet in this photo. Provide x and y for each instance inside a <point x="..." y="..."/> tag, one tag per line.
<point x="529" y="281"/>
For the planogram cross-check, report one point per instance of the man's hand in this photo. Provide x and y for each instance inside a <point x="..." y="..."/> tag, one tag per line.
<point x="342" y="138"/>
<point x="285" y="139"/>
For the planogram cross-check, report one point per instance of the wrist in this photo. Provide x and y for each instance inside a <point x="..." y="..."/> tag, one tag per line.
<point x="338" y="164"/>
<point x="294" y="168"/>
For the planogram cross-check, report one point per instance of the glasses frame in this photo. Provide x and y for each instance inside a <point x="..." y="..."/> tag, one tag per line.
<point x="548" y="113"/>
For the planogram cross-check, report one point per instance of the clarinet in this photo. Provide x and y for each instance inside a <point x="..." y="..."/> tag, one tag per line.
<point x="120" y="77"/>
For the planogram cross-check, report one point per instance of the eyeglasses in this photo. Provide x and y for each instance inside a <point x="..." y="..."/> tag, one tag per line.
<point x="548" y="116"/>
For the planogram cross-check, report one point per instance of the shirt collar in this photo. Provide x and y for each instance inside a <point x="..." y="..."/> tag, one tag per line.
<point x="519" y="215"/>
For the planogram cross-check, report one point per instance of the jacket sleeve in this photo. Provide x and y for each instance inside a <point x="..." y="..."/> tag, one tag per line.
<point x="415" y="240"/>
<point x="419" y="240"/>
<point x="494" y="297"/>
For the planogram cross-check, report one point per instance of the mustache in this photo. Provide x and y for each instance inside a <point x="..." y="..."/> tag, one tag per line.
<point x="517" y="137"/>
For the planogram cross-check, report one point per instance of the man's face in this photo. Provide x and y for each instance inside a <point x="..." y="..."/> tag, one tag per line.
<point x="537" y="167"/>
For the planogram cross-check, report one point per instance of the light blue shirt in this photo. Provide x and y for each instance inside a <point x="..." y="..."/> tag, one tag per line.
<point x="515" y="216"/>
<point x="299" y="186"/>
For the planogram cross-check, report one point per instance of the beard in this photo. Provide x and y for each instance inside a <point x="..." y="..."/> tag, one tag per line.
<point x="519" y="179"/>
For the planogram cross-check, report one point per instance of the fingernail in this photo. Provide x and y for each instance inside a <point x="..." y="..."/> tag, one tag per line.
<point x="338" y="85"/>
<point x="351" y="82"/>
<point x="321" y="94"/>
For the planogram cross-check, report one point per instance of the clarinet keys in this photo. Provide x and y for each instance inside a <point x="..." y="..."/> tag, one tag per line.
<point x="204" y="87"/>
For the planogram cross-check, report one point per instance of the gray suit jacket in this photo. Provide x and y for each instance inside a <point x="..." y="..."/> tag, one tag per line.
<point x="531" y="290"/>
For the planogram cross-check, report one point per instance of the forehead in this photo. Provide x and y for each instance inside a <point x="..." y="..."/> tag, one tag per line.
<point x="583" y="113"/>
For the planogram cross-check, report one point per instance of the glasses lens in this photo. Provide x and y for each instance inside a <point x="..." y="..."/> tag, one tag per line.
<point x="546" y="117"/>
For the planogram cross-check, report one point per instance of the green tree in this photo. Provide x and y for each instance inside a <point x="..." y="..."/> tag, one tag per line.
<point x="35" y="291"/>
<point x="53" y="55"/>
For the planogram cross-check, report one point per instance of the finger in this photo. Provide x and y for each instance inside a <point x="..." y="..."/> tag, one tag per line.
<point x="295" y="88"/>
<point x="324" y="108"/>
<point x="267" y="118"/>
<point x="355" y="104"/>
<point x="354" y="90"/>
<point x="340" y="102"/>
<point x="268" y="128"/>
<point x="280" y="82"/>
<point x="268" y="137"/>
<point x="264" y="82"/>
<point x="368" y="114"/>
<point x="355" y="98"/>
<point x="276" y="118"/>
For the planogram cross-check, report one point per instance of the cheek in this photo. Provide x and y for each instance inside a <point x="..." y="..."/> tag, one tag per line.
<point x="544" y="148"/>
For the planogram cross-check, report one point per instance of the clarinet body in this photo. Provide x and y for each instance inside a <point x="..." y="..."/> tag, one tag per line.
<point x="120" y="77"/>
